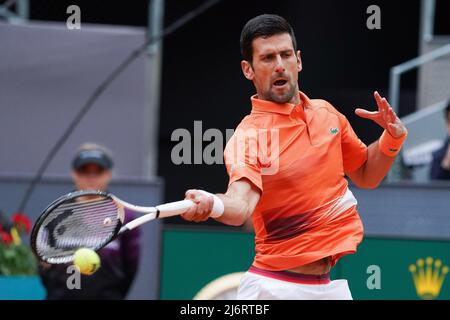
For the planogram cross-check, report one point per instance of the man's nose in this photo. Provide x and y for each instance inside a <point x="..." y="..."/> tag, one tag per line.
<point x="279" y="65"/>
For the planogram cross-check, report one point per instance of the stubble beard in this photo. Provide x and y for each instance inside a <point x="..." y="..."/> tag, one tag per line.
<point x="283" y="98"/>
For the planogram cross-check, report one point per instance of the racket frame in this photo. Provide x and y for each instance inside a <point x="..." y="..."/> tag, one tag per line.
<point x="148" y="214"/>
<point x="49" y="209"/>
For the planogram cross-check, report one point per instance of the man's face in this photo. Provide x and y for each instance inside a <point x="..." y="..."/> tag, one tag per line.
<point x="91" y="177"/>
<point x="274" y="69"/>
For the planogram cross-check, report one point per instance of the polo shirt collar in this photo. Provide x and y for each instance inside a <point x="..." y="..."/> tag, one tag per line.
<point x="281" y="108"/>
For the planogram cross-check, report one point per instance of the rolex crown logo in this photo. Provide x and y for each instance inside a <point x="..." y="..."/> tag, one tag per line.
<point x="428" y="277"/>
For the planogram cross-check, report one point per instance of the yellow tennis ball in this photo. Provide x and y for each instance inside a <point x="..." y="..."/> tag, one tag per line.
<point x="86" y="260"/>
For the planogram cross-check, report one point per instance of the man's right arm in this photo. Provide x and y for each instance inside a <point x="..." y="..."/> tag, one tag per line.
<point x="239" y="202"/>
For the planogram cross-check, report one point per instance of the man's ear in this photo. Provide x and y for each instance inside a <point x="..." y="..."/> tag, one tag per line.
<point x="299" y="61"/>
<point x="247" y="70"/>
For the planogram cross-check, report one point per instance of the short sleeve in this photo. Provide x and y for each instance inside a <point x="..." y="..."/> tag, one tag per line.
<point x="354" y="151"/>
<point x="241" y="158"/>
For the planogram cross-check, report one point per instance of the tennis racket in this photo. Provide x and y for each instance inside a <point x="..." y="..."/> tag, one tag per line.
<point x="91" y="219"/>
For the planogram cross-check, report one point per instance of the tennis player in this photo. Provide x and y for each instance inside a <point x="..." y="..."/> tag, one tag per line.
<point x="304" y="214"/>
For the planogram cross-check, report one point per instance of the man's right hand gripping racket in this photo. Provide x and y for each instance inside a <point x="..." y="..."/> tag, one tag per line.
<point x="92" y="219"/>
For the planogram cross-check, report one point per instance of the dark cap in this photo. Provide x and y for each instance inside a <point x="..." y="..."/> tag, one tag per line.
<point x="96" y="156"/>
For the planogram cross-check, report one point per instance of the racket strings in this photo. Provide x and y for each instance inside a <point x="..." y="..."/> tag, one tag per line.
<point x="76" y="224"/>
<point x="82" y="204"/>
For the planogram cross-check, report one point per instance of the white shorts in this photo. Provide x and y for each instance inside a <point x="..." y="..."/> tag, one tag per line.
<point x="270" y="286"/>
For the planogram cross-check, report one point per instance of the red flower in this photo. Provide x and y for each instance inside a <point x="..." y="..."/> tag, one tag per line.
<point x="5" y="237"/>
<point x="21" y="222"/>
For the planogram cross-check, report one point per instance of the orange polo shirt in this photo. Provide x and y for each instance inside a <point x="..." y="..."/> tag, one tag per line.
<point x="297" y="156"/>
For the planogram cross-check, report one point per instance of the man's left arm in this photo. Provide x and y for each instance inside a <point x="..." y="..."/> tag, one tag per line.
<point x="380" y="154"/>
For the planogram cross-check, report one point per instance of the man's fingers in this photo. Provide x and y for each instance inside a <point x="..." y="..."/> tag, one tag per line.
<point x="394" y="117"/>
<point x="378" y="99"/>
<point x="202" y="204"/>
<point x="190" y="194"/>
<point x="189" y="215"/>
<point x="193" y="196"/>
<point x="389" y="115"/>
<point x="382" y="102"/>
<point x="383" y="105"/>
<point x="209" y="202"/>
<point x="395" y="130"/>
<point x="393" y="127"/>
<point x="202" y="211"/>
<point x="365" y="113"/>
<point x="376" y="95"/>
<point x="386" y="110"/>
<point x="202" y="208"/>
<point x="390" y="118"/>
<point x="385" y="116"/>
<point x="193" y="215"/>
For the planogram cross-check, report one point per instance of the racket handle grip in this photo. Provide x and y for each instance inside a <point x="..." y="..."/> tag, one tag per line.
<point x="174" y="208"/>
<point x="179" y="207"/>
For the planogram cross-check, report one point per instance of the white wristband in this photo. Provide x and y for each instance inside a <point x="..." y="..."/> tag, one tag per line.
<point x="218" y="207"/>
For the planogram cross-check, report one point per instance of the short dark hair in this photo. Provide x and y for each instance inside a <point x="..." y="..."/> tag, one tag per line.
<point x="447" y="111"/>
<point x="264" y="26"/>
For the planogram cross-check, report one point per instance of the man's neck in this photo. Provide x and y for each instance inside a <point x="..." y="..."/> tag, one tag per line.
<point x="294" y="100"/>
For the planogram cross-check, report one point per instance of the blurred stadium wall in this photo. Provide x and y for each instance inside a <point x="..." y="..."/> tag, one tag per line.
<point x="47" y="73"/>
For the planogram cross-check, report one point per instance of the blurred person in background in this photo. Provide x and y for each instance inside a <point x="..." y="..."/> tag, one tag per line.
<point x="92" y="170"/>
<point x="440" y="166"/>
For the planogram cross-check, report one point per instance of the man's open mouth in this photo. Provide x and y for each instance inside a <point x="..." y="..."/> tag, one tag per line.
<point x="279" y="82"/>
